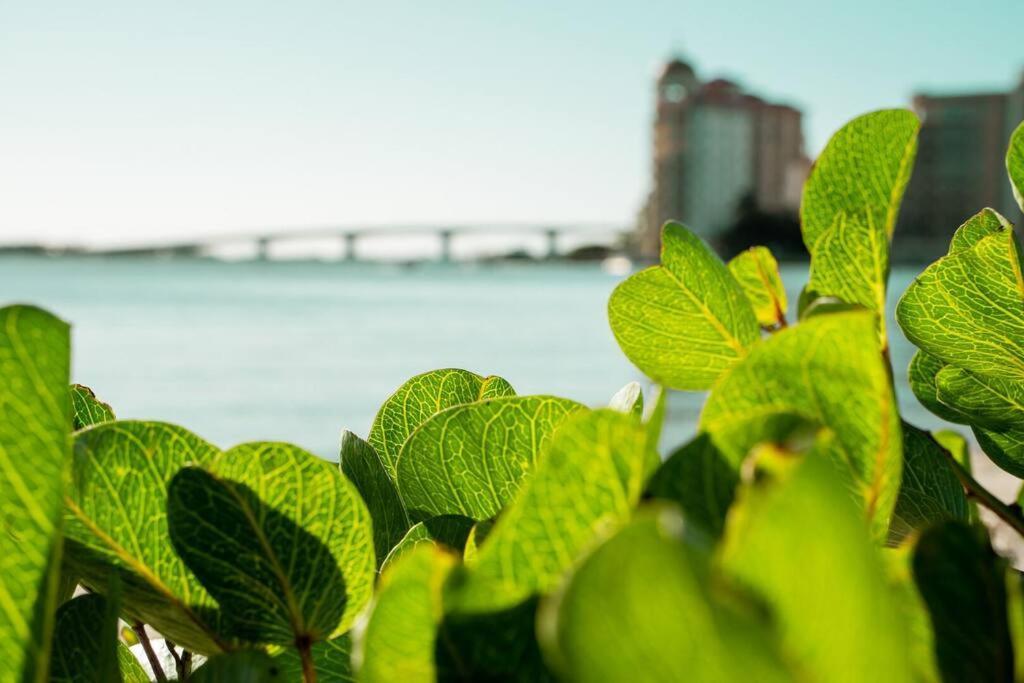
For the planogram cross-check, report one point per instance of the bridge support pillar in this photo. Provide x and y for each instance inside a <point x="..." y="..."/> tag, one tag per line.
<point x="446" y="245"/>
<point x="350" y="246"/>
<point x="552" y="243"/>
<point x="263" y="249"/>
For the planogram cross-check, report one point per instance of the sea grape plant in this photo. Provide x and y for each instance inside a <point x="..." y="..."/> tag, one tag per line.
<point x="805" y="533"/>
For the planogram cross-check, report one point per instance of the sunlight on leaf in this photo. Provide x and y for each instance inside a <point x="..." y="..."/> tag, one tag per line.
<point x="757" y="273"/>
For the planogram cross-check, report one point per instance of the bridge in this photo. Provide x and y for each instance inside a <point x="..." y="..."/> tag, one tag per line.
<point x="350" y="236"/>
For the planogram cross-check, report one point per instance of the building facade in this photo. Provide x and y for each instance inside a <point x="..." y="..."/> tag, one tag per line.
<point x="715" y="148"/>
<point x="960" y="166"/>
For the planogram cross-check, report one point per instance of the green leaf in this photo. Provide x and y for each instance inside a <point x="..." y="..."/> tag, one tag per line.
<point x="332" y="660"/>
<point x="251" y="666"/>
<point x="757" y="273"/>
<point x="850" y="204"/>
<point x="699" y="480"/>
<point x="470" y="460"/>
<point x="422" y="397"/>
<point x="962" y="581"/>
<point x="829" y="371"/>
<point x="922" y="372"/>
<point x="1004" y="447"/>
<point x="686" y="321"/>
<point x="279" y="538"/>
<point x="585" y="486"/>
<point x="930" y="491"/>
<point x="982" y="224"/>
<point x="629" y="399"/>
<point x="1015" y="164"/>
<point x="364" y="468"/>
<point x="399" y="640"/>
<point x="642" y="605"/>
<point x="447" y="531"/>
<point x="88" y="410"/>
<point x="86" y="648"/>
<point x="800" y="543"/>
<point x="991" y="402"/>
<point x="967" y="308"/>
<point x="116" y="526"/>
<point x="35" y="420"/>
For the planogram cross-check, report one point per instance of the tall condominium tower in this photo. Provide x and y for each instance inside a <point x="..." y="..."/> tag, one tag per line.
<point x="715" y="147"/>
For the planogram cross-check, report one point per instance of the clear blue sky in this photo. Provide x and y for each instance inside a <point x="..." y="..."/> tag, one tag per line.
<point x="127" y="120"/>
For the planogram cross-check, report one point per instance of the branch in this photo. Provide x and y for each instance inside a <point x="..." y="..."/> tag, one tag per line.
<point x="154" y="662"/>
<point x="1010" y="514"/>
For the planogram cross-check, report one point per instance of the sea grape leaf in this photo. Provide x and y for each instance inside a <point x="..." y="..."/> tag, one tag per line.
<point x="87" y="409"/>
<point x="801" y="544"/>
<point x="757" y="273"/>
<point x="303" y="530"/>
<point x="991" y="402"/>
<point x="491" y="646"/>
<point x="332" y="660"/>
<point x="475" y="540"/>
<point x="629" y="399"/>
<point x="641" y="603"/>
<point x="686" y="321"/>
<point x="967" y="308"/>
<point x="898" y="563"/>
<point x="447" y="531"/>
<point x="699" y="480"/>
<point x="85" y="645"/>
<point x="829" y="371"/>
<point x="1004" y="447"/>
<point x="364" y="468"/>
<point x="35" y="420"/>
<point x="585" y="485"/>
<point x="982" y="224"/>
<point x="962" y="581"/>
<point x="420" y="398"/>
<point x="850" y="203"/>
<point x="1015" y="164"/>
<point x="470" y="460"/>
<point x="399" y="639"/>
<point x="251" y="666"/>
<point x="922" y="372"/>
<point x="116" y="526"/>
<point x="930" y="491"/>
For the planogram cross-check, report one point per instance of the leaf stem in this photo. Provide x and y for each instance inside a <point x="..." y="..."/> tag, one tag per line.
<point x="147" y="647"/>
<point x="1011" y="515"/>
<point x="305" y="647"/>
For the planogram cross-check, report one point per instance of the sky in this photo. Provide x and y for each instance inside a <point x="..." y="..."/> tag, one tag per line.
<point x="124" y="121"/>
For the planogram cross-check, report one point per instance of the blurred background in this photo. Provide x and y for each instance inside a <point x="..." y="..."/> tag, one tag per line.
<point x="261" y="218"/>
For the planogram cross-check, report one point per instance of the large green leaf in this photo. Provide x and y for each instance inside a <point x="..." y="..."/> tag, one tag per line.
<point x="250" y="666"/>
<point x="923" y="369"/>
<point x="798" y="541"/>
<point x="757" y="273"/>
<point x="967" y="308"/>
<point x="930" y="491"/>
<point x="364" y="468"/>
<point x="850" y="204"/>
<point x="991" y="402"/>
<point x="470" y="460"/>
<point x="399" y="640"/>
<point x="829" y="371"/>
<point x="686" y="321"/>
<point x="641" y="607"/>
<point x="86" y="648"/>
<point x="88" y="410"/>
<point x="422" y="397"/>
<point x="35" y="420"/>
<point x="700" y="481"/>
<point x="585" y="485"/>
<point x="1015" y="164"/>
<point x="963" y="583"/>
<point x="279" y="538"/>
<point x="116" y="526"/>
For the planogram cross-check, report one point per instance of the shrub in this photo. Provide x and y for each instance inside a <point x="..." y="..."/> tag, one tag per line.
<point x="805" y="533"/>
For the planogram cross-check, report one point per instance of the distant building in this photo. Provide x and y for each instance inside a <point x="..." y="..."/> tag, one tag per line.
<point x="716" y="147"/>
<point x="960" y="167"/>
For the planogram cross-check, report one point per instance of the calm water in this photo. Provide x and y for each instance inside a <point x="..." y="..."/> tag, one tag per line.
<point x="297" y="351"/>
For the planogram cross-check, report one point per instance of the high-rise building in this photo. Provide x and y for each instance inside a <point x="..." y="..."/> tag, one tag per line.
<point x="715" y="147"/>
<point x="960" y="166"/>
